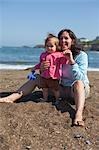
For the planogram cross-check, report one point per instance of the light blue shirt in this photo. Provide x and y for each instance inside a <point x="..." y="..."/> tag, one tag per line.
<point x="78" y="71"/>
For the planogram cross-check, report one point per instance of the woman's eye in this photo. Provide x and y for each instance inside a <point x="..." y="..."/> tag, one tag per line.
<point x="63" y="38"/>
<point x="49" y="45"/>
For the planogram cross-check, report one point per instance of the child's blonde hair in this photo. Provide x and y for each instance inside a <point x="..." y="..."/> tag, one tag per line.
<point x="55" y="40"/>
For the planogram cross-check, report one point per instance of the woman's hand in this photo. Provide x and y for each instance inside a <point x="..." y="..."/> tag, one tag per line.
<point x="69" y="56"/>
<point x="44" y="65"/>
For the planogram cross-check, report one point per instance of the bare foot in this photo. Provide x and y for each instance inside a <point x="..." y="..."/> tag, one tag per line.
<point x="78" y="121"/>
<point x="11" y="98"/>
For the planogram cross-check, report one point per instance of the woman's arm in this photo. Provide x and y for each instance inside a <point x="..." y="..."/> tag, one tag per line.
<point x="80" y="66"/>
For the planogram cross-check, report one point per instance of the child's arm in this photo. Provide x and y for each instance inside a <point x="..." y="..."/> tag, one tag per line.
<point x="36" y="67"/>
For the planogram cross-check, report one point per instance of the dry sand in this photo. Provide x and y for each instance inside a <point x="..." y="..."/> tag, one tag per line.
<point x="32" y="125"/>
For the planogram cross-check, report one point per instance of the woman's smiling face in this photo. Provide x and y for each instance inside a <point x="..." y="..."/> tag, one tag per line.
<point x="65" y="41"/>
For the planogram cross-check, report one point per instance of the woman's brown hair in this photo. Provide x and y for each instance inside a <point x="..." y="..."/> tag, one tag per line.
<point x="75" y="48"/>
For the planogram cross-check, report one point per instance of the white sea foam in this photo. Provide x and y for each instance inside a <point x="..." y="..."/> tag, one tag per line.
<point x="22" y="67"/>
<point x="14" y="67"/>
<point x="93" y="69"/>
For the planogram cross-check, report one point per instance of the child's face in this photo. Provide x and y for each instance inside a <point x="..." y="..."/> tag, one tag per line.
<point x="65" y="41"/>
<point x="50" y="46"/>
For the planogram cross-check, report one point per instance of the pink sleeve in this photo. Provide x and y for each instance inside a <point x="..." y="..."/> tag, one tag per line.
<point x="63" y="59"/>
<point x="37" y="66"/>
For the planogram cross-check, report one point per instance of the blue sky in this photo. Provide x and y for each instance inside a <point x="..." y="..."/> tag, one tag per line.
<point x="27" y="22"/>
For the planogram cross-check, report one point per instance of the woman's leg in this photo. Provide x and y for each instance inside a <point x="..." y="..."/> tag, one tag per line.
<point x="24" y="90"/>
<point x="28" y="87"/>
<point x="79" y="97"/>
<point x="77" y="92"/>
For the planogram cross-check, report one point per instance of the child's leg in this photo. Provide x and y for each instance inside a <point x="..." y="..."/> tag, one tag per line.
<point x="45" y="94"/>
<point x="56" y="94"/>
<point x="57" y="97"/>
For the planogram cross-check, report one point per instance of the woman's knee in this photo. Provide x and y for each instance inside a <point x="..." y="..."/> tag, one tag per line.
<point x="78" y="84"/>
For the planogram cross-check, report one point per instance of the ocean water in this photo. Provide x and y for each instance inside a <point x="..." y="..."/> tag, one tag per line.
<point x="18" y="58"/>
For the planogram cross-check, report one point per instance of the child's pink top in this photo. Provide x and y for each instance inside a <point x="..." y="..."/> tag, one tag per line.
<point x="56" y="60"/>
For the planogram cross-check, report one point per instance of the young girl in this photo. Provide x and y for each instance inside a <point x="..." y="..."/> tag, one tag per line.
<point x="49" y="78"/>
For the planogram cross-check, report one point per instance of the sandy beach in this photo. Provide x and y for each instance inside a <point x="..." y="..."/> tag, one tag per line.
<point x="32" y="125"/>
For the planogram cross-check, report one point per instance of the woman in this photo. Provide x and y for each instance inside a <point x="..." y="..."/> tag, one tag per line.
<point x="74" y="81"/>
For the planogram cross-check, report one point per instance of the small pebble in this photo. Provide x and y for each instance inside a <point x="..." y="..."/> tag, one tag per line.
<point x="78" y="136"/>
<point x="28" y="147"/>
<point x="88" y="142"/>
